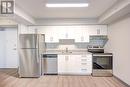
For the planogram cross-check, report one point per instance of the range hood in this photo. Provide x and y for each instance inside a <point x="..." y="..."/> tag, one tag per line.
<point x="66" y="41"/>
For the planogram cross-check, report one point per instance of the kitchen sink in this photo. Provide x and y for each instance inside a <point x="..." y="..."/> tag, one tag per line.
<point x="67" y="52"/>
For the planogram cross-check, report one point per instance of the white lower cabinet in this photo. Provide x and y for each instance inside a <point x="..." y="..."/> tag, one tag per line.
<point x="84" y="64"/>
<point x="66" y="64"/>
<point x="75" y="64"/>
<point x="61" y="64"/>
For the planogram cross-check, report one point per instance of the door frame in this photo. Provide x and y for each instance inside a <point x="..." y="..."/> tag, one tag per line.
<point x="14" y="27"/>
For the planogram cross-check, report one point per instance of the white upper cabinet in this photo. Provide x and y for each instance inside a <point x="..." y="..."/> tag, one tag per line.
<point x="79" y="33"/>
<point x="103" y="30"/>
<point x="51" y="33"/>
<point x="27" y="30"/>
<point x="66" y="32"/>
<point x="32" y="30"/>
<point x="22" y="29"/>
<point x="54" y="33"/>
<point x="97" y="29"/>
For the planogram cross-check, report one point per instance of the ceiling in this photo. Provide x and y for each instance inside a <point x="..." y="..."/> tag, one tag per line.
<point x="37" y="9"/>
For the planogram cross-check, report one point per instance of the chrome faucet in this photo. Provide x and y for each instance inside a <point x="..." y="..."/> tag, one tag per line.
<point x="66" y="50"/>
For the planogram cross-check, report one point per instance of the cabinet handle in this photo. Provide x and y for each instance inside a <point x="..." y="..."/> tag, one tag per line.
<point x="83" y="69"/>
<point x="66" y="35"/>
<point x="66" y="58"/>
<point x="83" y="56"/>
<point x="83" y="59"/>
<point x="82" y="38"/>
<point x="83" y="63"/>
<point x="51" y="39"/>
<point x="98" y="31"/>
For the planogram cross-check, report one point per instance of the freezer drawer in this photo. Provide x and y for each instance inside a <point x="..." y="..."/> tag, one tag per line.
<point x="29" y="65"/>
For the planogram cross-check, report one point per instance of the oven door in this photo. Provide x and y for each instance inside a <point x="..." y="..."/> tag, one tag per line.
<point x="102" y="65"/>
<point x="102" y="62"/>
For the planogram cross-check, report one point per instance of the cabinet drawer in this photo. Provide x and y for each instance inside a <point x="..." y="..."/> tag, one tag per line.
<point x="83" y="70"/>
<point x="84" y="64"/>
<point x="83" y="56"/>
<point x="86" y="70"/>
<point x="89" y="59"/>
<point x="84" y="59"/>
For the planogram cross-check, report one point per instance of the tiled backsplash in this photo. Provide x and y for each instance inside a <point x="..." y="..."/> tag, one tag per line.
<point x="98" y="40"/>
<point x="94" y="40"/>
<point x="52" y="45"/>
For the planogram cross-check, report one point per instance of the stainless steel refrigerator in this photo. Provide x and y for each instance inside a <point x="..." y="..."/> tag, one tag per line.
<point x="31" y="46"/>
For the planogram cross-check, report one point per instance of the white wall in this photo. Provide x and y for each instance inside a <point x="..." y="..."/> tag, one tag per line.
<point x="7" y="22"/>
<point x="119" y="45"/>
<point x="2" y="48"/>
<point x="68" y="21"/>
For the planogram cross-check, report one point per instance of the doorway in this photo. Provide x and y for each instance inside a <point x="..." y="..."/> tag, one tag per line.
<point x="8" y="47"/>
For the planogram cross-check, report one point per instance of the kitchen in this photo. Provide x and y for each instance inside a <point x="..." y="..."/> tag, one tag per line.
<point x="92" y="46"/>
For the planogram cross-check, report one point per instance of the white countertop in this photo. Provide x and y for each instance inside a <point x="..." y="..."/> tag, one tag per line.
<point x="68" y="53"/>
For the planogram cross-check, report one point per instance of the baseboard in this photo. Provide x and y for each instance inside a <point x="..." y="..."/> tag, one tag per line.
<point x="10" y="71"/>
<point x="121" y="81"/>
<point x="8" y="68"/>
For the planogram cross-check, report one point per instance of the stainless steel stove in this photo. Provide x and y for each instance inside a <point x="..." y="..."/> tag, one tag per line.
<point x="102" y="62"/>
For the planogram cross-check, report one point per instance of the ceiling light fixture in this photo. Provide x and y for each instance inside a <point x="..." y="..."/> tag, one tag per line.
<point x="68" y="5"/>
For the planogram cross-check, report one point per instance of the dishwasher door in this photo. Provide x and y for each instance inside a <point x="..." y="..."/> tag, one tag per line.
<point x="49" y="65"/>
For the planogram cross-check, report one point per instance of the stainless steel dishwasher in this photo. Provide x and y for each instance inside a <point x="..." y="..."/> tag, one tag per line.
<point x="49" y="64"/>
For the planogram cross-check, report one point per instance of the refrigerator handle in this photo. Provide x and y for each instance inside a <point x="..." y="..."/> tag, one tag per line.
<point x="37" y="51"/>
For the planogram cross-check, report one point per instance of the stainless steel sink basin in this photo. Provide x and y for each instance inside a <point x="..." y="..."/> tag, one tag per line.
<point x="67" y="52"/>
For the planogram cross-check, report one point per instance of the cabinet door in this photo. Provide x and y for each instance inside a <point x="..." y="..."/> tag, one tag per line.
<point x="51" y="34"/>
<point x="71" y="64"/>
<point x="81" y="34"/>
<point x="62" y="32"/>
<point x="85" y="35"/>
<point x="32" y="30"/>
<point x="78" y="35"/>
<point x="92" y="30"/>
<point x="66" y="32"/>
<point x="61" y="64"/>
<point x="66" y="64"/>
<point x="71" y="32"/>
<point x="77" y="64"/>
<point x="103" y="30"/>
<point x="22" y="29"/>
<point x="97" y="29"/>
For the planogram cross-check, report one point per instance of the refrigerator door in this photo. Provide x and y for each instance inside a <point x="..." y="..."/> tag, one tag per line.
<point x="41" y="46"/>
<point x="28" y="41"/>
<point x="31" y="48"/>
<point x="29" y="63"/>
<point x="41" y="43"/>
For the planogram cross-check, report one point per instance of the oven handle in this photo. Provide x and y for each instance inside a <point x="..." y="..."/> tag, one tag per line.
<point x="102" y="55"/>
